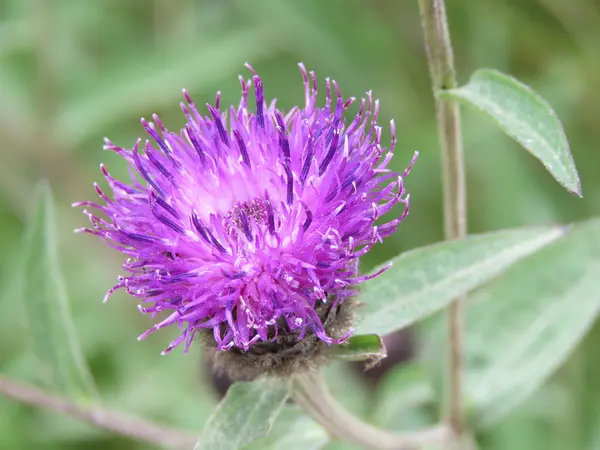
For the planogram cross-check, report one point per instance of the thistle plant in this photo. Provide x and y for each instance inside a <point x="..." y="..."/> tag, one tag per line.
<point x="245" y="230"/>
<point x="247" y="227"/>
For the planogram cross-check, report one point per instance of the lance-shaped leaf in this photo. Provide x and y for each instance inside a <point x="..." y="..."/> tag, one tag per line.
<point x="42" y="291"/>
<point x="361" y="347"/>
<point x="528" y="321"/>
<point x="423" y="281"/>
<point x="524" y="116"/>
<point x="246" y="413"/>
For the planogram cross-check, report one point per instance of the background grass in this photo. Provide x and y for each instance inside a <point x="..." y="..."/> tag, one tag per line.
<point x="72" y="72"/>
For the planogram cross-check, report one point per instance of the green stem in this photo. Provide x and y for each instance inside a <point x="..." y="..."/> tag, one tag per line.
<point x="311" y="393"/>
<point x="441" y="68"/>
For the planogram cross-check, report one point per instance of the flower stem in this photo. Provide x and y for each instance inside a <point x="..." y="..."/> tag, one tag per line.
<point x="441" y="68"/>
<point x="311" y="393"/>
<point x="112" y="421"/>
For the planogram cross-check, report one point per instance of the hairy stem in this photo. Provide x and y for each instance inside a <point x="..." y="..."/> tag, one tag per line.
<point x="441" y="68"/>
<point x="311" y="393"/>
<point x="114" y="422"/>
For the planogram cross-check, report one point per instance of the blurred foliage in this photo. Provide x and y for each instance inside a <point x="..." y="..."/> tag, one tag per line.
<point x="73" y="71"/>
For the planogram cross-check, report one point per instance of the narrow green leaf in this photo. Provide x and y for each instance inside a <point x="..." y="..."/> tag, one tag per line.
<point x="361" y="347"/>
<point x="523" y="326"/>
<point x="41" y="289"/>
<point x="247" y="413"/>
<point x="425" y="280"/>
<point x="293" y="430"/>
<point x="524" y="116"/>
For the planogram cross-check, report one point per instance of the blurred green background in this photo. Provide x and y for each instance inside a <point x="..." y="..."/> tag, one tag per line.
<point x="72" y="72"/>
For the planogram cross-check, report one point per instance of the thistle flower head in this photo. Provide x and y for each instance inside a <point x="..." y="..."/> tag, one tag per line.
<point x="246" y="224"/>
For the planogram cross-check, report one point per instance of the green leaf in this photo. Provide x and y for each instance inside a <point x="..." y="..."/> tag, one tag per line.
<point x="361" y="347"/>
<point x="247" y="413"/>
<point x="41" y="289"/>
<point x="293" y="430"/>
<point x="524" y="116"/>
<point x="523" y="326"/>
<point x="425" y="280"/>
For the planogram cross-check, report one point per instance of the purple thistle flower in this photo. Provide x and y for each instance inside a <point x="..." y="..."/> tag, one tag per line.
<point x="245" y="223"/>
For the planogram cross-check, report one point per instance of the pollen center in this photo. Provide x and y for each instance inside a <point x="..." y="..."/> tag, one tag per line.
<point x="238" y="218"/>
